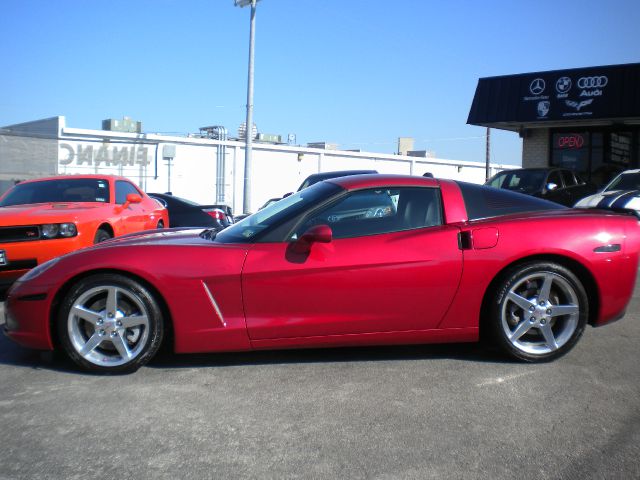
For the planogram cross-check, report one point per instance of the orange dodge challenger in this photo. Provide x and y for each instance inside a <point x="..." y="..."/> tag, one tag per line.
<point x="48" y="217"/>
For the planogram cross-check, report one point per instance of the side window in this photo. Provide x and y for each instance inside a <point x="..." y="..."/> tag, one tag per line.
<point x="497" y="181"/>
<point x="554" y="177"/>
<point x="123" y="189"/>
<point x="376" y="211"/>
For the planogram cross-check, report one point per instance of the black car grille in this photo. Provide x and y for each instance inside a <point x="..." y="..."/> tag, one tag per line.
<point x="19" y="234"/>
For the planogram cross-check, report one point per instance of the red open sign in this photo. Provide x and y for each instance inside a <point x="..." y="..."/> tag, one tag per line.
<point x="573" y="140"/>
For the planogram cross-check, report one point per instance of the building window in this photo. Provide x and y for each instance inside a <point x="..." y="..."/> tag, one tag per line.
<point x="571" y="150"/>
<point x="596" y="155"/>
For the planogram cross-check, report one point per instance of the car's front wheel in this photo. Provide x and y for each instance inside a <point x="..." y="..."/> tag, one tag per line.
<point x="101" y="236"/>
<point x="540" y="311"/>
<point x="110" y="323"/>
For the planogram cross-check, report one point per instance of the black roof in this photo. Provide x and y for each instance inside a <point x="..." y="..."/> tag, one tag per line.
<point x="558" y="97"/>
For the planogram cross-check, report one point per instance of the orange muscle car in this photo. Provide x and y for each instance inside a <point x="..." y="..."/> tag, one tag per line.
<point x="48" y="217"/>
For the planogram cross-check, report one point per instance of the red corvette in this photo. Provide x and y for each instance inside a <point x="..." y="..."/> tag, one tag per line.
<point x="363" y="260"/>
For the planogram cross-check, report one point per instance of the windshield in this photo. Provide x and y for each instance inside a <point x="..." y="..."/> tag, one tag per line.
<point x="63" y="190"/>
<point x="525" y="181"/>
<point x="625" y="181"/>
<point x="246" y="230"/>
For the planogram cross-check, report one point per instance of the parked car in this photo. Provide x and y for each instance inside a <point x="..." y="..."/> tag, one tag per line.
<point x="319" y="177"/>
<point x="185" y="213"/>
<point x="449" y="263"/>
<point x="48" y="217"/>
<point x="622" y="193"/>
<point x="559" y="185"/>
<point x="312" y="180"/>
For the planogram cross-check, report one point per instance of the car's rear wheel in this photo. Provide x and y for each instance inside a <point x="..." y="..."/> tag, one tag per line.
<point x="160" y="224"/>
<point x="540" y="311"/>
<point x="110" y="323"/>
<point x="101" y="236"/>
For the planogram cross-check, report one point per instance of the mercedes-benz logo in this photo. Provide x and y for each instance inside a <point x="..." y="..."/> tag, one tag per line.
<point x="563" y="85"/>
<point x="537" y="86"/>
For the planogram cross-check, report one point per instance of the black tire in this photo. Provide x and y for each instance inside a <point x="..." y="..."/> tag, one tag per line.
<point x="529" y="327"/>
<point x="116" y="341"/>
<point x="160" y="224"/>
<point x="101" y="236"/>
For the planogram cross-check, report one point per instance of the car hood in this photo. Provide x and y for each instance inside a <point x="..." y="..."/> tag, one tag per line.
<point x="45" y="212"/>
<point x="168" y="236"/>
<point x="610" y="199"/>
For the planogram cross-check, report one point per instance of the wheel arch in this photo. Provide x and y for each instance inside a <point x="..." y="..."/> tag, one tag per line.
<point x="579" y="270"/>
<point x="66" y="287"/>
<point x="107" y="228"/>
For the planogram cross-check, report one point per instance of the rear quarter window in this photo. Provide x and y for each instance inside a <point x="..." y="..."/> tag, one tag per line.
<point x="485" y="202"/>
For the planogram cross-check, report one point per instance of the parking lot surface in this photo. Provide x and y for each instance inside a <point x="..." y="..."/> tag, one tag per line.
<point x="419" y="412"/>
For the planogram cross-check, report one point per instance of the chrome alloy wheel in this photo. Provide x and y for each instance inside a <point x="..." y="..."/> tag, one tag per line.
<point x="541" y="313"/>
<point x="108" y="325"/>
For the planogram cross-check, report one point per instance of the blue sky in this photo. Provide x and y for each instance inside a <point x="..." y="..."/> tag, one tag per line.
<point x="357" y="73"/>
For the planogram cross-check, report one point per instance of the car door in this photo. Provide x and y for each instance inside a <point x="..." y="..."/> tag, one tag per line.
<point x="132" y="218"/>
<point x="391" y="266"/>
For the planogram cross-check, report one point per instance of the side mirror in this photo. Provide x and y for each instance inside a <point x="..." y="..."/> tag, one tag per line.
<point x="131" y="198"/>
<point x="551" y="186"/>
<point x="134" y="198"/>
<point x="318" y="233"/>
<point x="315" y="234"/>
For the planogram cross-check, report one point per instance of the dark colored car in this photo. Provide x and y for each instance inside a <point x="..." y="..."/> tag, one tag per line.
<point x="559" y="185"/>
<point x="312" y="180"/>
<point x="185" y="213"/>
<point x="319" y="177"/>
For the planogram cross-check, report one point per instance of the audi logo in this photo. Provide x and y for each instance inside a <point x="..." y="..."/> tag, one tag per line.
<point x="593" y="82"/>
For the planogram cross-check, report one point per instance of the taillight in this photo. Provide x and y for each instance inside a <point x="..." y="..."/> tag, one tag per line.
<point x="217" y="214"/>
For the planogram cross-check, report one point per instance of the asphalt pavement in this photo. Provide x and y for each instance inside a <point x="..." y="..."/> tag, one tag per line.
<point x="419" y="412"/>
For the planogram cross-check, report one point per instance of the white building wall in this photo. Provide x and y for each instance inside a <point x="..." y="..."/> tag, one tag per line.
<point x="191" y="173"/>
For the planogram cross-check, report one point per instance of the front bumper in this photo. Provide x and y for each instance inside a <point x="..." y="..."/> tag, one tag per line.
<point x="26" y="316"/>
<point x="21" y="257"/>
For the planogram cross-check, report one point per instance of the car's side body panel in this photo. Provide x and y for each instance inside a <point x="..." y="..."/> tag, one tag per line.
<point x="391" y="282"/>
<point x="563" y="236"/>
<point x="204" y="303"/>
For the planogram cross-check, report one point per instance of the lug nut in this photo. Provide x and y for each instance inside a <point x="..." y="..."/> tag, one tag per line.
<point x="110" y="315"/>
<point x="548" y="311"/>
<point x="114" y="334"/>
<point x="543" y="321"/>
<point x="100" y="321"/>
<point x="532" y="308"/>
<point x="542" y="304"/>
<point x="118" y="323"/>
<point x="532" y="319"/>
<point x="101" y="332"/>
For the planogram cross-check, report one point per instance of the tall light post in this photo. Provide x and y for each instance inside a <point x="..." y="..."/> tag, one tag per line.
<point x="246" y="198"/>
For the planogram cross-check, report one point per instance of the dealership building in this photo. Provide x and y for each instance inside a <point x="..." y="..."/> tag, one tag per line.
<point x="586" y="119"/>
<point x="207" y="167"/>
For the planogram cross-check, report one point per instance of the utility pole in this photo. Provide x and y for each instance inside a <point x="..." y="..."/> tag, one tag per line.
<point x="246" y="198"/>
<point x="487" y="170"/>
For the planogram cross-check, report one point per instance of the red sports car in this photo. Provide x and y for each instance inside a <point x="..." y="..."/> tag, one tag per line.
<point x="362" y="260"/>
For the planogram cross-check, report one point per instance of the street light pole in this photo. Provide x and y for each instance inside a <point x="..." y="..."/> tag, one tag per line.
<point x="246" y="198"/>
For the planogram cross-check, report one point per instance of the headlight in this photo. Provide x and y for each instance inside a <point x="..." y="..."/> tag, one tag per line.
<point x="34" y="272"/>
<point x="57" y="230"/>
<point x="68" y="230"/>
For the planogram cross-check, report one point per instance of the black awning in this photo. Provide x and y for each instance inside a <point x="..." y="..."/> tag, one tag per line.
<point x="558" y="97"/>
